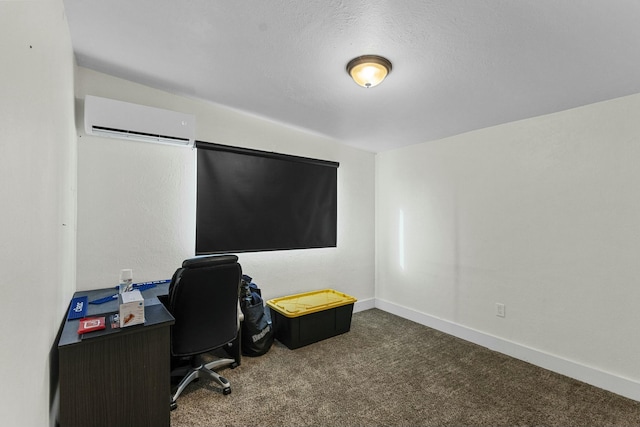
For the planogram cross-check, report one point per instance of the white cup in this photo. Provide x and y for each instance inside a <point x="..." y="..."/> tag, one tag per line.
<point x="126" y="280"/>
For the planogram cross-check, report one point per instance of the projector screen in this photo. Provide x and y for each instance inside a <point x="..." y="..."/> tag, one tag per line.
<point x="249" y="200"/>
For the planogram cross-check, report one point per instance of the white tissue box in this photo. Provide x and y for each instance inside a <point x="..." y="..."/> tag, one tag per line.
<point x="131" y="308"/>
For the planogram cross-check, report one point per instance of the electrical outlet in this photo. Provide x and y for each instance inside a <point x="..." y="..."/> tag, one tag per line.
<point x="500" y="310"/>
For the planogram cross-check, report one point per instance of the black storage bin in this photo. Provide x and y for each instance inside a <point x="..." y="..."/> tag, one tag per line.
<point x="310" y="317"/>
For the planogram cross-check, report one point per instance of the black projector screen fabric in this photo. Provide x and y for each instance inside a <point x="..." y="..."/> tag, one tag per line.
<point x="249" y="200"/>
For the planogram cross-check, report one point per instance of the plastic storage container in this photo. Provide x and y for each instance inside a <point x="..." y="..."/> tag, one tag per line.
<point x="309" y="317"/>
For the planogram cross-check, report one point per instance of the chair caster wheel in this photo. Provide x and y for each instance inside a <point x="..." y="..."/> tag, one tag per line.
<point x="226" y="390"/>
<point x="173" y="405"/>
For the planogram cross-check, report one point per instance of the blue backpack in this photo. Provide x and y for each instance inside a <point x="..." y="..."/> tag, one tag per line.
<point x="257" y="328"/>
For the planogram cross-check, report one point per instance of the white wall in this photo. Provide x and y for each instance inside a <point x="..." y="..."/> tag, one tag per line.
<point x="37" y="189"/>
<point x="542" y="215"/>
<point x="136" y="201"/>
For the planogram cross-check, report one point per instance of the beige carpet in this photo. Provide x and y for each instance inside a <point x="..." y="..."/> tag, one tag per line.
<point x="388" y="371"/>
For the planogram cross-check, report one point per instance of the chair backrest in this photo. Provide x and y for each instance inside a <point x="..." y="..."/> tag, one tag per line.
<point x="203" y="298"/>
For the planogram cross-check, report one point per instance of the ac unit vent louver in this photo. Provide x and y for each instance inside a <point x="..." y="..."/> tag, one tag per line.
<point x="119" y="119"/>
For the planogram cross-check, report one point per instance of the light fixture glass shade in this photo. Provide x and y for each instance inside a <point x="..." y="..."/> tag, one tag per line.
<point x="369" y="70"/>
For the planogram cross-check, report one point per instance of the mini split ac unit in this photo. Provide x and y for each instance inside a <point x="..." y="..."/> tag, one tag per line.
<point x="118" y="119"/>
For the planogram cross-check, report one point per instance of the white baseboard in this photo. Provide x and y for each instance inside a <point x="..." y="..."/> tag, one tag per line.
<point x="607" y="381"/>
<point x="362" y="305"/>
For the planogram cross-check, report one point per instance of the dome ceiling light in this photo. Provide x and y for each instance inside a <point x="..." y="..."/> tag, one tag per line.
<point x="369" y="70"/>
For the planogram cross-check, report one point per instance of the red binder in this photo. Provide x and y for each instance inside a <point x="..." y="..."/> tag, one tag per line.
<point x="89" y="324"/>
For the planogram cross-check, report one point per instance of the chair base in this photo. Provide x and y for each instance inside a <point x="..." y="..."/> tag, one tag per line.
<point x="203" y="371"/>
<point x="198" y="370"/>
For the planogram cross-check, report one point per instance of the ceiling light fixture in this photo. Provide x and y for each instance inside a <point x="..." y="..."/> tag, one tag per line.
<point x="369" y="70"/>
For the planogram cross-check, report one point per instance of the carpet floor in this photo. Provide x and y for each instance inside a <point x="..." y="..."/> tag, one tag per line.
<point x="389" y="371"/>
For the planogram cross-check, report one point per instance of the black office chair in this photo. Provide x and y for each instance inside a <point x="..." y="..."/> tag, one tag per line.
<point x="203" y="298"/>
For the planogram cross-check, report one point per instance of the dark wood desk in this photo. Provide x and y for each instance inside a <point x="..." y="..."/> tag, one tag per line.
<point x="120" y="379"/>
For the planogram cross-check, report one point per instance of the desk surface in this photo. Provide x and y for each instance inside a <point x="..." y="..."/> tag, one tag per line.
<point x="154" y="312"/>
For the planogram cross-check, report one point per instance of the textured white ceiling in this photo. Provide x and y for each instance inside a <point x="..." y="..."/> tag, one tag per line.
<point x="458" y="65"/>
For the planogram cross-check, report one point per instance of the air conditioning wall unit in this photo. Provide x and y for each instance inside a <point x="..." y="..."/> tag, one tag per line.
<point x="119" y="119"/>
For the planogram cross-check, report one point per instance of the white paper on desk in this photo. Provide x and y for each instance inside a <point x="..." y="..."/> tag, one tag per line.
<point x="131" y="296"/>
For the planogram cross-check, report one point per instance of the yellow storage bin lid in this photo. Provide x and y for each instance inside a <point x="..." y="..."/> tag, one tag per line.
<point x="309" y="302"/>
